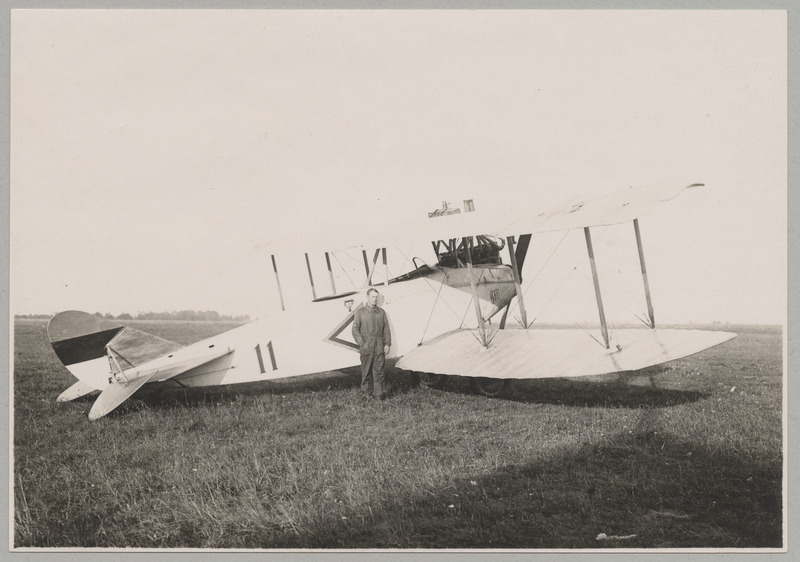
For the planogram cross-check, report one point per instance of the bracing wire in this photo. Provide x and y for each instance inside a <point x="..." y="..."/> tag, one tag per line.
<point x="463" y="318"/>
<point x="535" y="277"/>
<point x="554" y="294"/>
<point x="430" y="316"/>
<point x="614" y="300"/>
<point x="474" y="335"/>
<point x="561" y="286"/>
<point x="494" y="335"/>
<point x="439" y="290"/>
<point x="588" y="333"/>
<point x="642" y="320"/>
<point x="335" y="257"/>
<point x="405" y="258"/>
<point x="353" y="259"/>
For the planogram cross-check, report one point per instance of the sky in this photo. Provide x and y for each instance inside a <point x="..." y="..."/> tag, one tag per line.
<point x="155" y="155"/>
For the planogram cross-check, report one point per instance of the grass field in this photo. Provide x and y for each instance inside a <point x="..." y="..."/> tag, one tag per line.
<point x="684" y="455"/>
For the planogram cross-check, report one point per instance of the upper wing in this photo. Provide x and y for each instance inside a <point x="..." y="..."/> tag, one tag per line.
<point x="374" y="232"/>
<point x="615" y="208"/>
<point x="532" y="354"/>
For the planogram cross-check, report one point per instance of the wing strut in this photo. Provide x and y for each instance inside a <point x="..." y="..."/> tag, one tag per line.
<point x="603" y="325"/>
<point x="311" y="278"/>
<point x="366" y="261"/>
<point x="644" y="274"/>
<point x="371" y="271"/>
<point x="517" y="279"/>
<point x="474" y="287"/>
<point x="385" y="267"/>
<point x="521" y="252"/>
<point x="330" y="272"/>
<point x="278" y="281"/>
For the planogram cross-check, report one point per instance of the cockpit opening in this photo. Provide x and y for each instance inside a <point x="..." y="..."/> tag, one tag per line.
<point x="484" y="249"/>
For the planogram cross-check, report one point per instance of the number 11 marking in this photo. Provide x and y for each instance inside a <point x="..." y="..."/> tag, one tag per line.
<point x="271" y="357"/>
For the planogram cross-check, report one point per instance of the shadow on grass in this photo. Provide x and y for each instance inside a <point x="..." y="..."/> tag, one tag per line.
<point x="619" y="393"/>
<point x="643" y="490"/>
<point x="632" y="389"/>
<point x="638" y="389"/>
<point x="400" y="382"/>
<point x="209" y="395"/>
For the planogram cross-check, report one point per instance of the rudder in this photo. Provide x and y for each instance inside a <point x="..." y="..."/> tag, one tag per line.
<point x="82" y="343"/>
<point x="79" y="341"/>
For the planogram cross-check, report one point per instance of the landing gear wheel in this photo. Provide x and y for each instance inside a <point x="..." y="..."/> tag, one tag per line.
<point x="430" y="380"/>
<point x="488" y="386"/>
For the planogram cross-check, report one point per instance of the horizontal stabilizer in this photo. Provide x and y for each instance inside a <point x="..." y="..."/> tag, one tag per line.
<point x="77" y="390"/>
<point x="114" y="395"/>
<point x="548" y="353"/>
<point x="133" y="348"/>
<point x="124" y="384"/>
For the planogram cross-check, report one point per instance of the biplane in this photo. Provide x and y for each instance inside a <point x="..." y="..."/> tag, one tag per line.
<point x="448" y="317"/>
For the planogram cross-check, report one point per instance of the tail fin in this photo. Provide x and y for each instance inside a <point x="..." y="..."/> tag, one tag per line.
<point x="79" y="340"/>
<point x="82" y="343"/>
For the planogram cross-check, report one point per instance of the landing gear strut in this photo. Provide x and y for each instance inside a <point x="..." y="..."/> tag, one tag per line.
<point x="430" y="380"/>
<point x="488" y="386"/>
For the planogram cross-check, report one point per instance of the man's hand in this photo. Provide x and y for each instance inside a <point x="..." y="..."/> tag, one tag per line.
<point x="385" y="349"/>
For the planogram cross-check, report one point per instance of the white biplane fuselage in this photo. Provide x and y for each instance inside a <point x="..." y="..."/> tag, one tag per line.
<point x="313" y="337"/>
<point x="317" y="336"/>
<point x="443" y="320"/>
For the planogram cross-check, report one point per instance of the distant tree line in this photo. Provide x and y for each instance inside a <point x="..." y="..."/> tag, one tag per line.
<point x="183" y="315"/>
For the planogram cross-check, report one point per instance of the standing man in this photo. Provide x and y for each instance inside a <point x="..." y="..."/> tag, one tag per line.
<point x="374" y="338"/>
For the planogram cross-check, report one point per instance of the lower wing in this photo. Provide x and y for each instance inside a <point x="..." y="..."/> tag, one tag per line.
<point x="553" y="353"/>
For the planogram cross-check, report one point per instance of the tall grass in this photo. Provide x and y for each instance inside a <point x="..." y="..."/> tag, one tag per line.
<point x="685" y="455"/>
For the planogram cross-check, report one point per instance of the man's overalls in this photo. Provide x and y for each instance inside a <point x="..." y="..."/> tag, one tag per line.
<point x="371" y="332"/>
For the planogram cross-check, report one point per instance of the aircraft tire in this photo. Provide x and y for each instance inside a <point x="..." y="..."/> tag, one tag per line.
<point x="430" y="380"/>
<point x="487" y="386"/>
